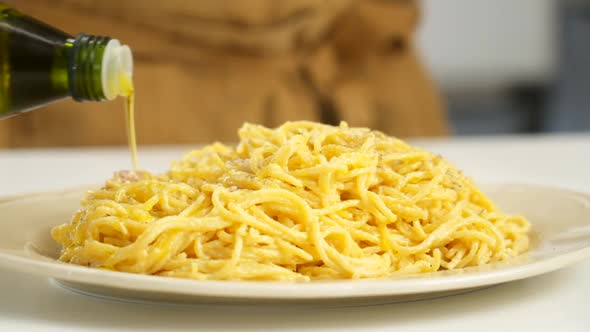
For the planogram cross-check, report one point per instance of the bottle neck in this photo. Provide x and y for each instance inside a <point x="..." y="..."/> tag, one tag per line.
<point x="95" y="67"/>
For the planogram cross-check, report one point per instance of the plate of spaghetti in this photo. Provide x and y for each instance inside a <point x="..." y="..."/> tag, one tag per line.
<point x="303" y="212"/>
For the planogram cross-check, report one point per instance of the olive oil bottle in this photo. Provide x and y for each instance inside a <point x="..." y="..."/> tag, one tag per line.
<point x="40" y="64"/>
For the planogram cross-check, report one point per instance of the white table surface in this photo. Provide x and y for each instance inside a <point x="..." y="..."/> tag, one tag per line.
<point x="556" y="301"/>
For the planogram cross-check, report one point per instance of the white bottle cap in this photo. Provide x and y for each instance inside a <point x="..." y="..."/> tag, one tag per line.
<point x="117" y="60"/>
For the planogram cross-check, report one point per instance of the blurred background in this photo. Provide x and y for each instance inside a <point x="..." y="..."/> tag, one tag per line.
<point x="510" y="66"/>
<point x="410" y="68"/>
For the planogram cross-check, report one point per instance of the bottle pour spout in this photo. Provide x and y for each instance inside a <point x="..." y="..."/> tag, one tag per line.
<point x="117" y="68"/>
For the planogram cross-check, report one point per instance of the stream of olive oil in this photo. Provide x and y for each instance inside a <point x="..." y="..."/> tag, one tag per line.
<point x="129" y="94"/>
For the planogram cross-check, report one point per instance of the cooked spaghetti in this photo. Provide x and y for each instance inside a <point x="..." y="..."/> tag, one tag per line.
<point x="301" y="202"/>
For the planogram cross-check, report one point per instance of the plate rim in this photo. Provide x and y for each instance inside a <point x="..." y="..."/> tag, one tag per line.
<point x="280" y="290"/>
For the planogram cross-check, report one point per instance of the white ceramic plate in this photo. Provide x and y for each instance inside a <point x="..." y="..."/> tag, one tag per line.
<point x="561" y="236"/>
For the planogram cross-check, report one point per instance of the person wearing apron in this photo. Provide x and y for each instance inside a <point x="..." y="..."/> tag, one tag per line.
<point x="202" y="69"/>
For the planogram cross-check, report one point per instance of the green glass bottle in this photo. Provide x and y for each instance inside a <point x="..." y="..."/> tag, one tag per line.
<point x="40" y="64"/>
